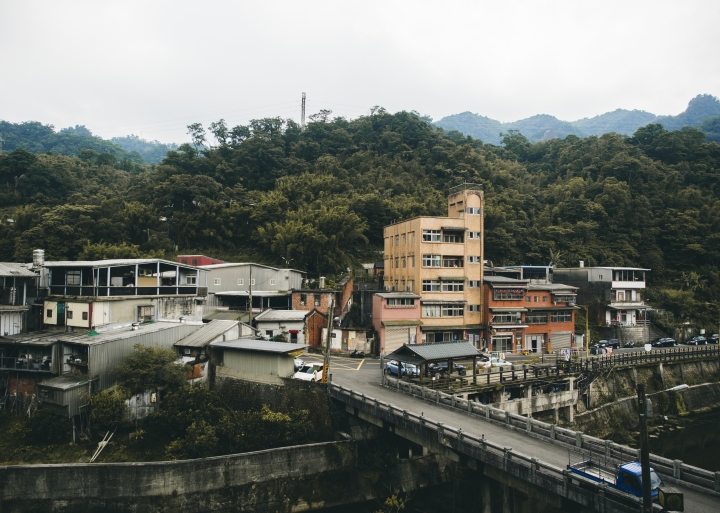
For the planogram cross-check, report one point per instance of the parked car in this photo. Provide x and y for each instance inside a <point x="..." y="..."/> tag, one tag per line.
<point x="440" y="369"/>
<point x="310" y="372"/>
<point x="494" y="362"/>
<point x="697" y="340"/>
<point x="713" y="339"/>
<point x="614" y="343"/>
<point x="602" y="343"/>
<point x="664" y="342"/>
<point x="298" y="364"/>
<point x="396" y="368"/>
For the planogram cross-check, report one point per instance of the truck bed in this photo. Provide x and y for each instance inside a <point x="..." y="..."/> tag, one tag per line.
<point x="595" y="471"/>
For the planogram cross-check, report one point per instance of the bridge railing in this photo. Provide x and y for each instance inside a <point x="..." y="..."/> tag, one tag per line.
<point x="639" y="358"/>
<point x="596" y="496"/>
<point x="674" y="470"/>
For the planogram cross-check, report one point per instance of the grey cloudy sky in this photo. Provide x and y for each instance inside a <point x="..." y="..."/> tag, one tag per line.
<point x="152" y="67"/>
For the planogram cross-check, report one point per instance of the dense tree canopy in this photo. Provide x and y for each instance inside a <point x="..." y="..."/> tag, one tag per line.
<point x="318" y="198"/>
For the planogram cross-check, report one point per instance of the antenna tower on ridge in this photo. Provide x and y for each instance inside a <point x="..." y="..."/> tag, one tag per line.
<point x="302" y="116"/>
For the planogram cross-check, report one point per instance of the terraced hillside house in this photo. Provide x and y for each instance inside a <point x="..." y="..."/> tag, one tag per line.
<point x="530" y="316"/>
<point x="84" y="295"/>
<point x="441" y="260"/>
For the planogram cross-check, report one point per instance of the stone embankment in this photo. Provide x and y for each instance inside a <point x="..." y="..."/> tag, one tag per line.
<point x="613" y="403"/>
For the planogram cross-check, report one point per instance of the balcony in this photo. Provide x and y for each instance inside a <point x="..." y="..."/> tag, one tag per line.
<point x="23" y="363"/>
<point x="90" y="291"/>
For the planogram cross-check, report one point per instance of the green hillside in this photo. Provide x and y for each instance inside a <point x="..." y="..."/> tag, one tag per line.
<point x="319" y="199"/>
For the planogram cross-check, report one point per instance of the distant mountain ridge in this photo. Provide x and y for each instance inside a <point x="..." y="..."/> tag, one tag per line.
<point x="544" y="126"/>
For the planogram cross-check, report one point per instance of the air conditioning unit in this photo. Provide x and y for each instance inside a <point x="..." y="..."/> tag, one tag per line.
<point x="202" y="291"/>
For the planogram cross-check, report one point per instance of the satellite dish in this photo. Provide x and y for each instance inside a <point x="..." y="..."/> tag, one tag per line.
<point x="648" y="348"/>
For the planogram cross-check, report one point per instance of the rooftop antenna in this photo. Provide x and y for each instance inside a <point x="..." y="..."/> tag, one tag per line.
<point x="302" y="116"/>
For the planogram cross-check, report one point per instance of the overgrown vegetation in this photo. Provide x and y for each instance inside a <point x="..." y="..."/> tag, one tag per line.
<point x="319" y="198"/>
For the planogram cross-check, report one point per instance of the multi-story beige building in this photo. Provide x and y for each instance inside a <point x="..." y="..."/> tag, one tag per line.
<point x="441" y="259"/>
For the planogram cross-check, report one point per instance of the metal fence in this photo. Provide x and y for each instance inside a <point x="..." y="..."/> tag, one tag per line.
<point x="592" y="495"/>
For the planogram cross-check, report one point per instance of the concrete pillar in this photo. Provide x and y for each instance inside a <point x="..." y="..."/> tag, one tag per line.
<point x="570" y="414"/>
<point x="556" y="413"/>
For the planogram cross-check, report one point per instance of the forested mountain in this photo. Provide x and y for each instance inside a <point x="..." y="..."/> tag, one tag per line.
<point x="38" y="138"/>
<point x="152" y="151"/>
<point x="544" y="127"/>
<point x="319" y="198"/>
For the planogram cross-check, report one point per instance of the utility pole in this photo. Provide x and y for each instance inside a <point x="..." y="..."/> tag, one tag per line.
<point x="251" y="304"/>
<point x="587" y="332"/>
<point x="302" y="116"/>
<point x="644" y="449"/>
<point x="326" y="363"/>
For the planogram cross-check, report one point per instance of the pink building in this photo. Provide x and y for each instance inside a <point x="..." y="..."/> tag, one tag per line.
<point x="396" y="319"/>
<point x="198" y="260"/>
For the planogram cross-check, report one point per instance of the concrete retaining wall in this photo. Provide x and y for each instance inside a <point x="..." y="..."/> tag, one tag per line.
<point x="284" y="479"/>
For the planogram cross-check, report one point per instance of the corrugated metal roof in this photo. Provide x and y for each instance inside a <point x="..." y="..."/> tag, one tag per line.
<point x="242" y="264"/>
<point x="15" y="269"/>
<point x="207" y="333"/>
<point x="227" y="315"/>
<point x="283" y="315"/>
<point x="35" y="338"/>
<point x="504" y="279"/>
<point x="118" y="334"/>
<point x="435" y="352"/>
<point x="402" y="323"/>
<point x="265" y="346"/>
<point x="550" y="286"/>
<point x="65" y="381"/>
<point x="256" y="293"/>
<point x="115" y="262"/>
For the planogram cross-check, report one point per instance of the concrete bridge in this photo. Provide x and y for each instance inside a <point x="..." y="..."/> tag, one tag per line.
<point x="528" y="455"/>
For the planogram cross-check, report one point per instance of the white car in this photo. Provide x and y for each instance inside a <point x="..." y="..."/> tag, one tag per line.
<point x="494" y="362"/>
<point x="310" y="372"/>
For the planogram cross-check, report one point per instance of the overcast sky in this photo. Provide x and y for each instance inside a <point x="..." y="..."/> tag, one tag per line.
<point x="153" y="67"/>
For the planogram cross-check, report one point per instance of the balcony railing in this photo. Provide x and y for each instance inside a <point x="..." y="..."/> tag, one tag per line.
<point x="87" y="290"/>
<point x="25" y="364"/>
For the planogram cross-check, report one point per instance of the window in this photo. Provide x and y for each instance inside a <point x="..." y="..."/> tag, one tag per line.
<point x="241" y="281"/>
<point x="506" y="318"/>
<point x="403" y="262"/>
<point x="536" y="299"/>
<point x="431" y="260"/>
<point x="562" y="316"/>
<point x="217" y="281"/>
<point x="452" y="261"/>
<point x="502" y="344"/>
<point x="269" y="333"/>
<point x="397" y="262"/>
<point x="412" y="260"/>
<point x="401" y="301"/>
<point x="187" y="350"/>
<point x="431" y="286"/>
<point x="508" y="294"/>
<point x="473" y="308"/>
<point x="48" y="314"/>
<point x="473" y="259"/>
<point x="402" y="285"/>
<point x="194" y="261"/>
<point x="252" y="282"/>
<point x="431" y="235"/>
<point x="68" y="314"/>
<point x="84" y="316"/>
<point x="412" y="237"/>
<point x="453" y="286"/>
<point x="528" y="299"/>
<point x="473" y="284"/>
<point x="72" y="278"/>
<point x="404" y="238"/>
<point x="473" y="210"/>
<point x="317" y="299"/>
<point x="536" y="318"/>
<point x="396" y="285"/>
<point x="431" y="310"/>
<point x="303" y="299"/>
<point x="453" y="237"/>
<point x="397" y="240"/>
<point x="473" y="235"/>
<point x="453" y="310"/>
<point x="272" y="282"/>
<point x="545" y="299"/>
<point x="410" y="286"/>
